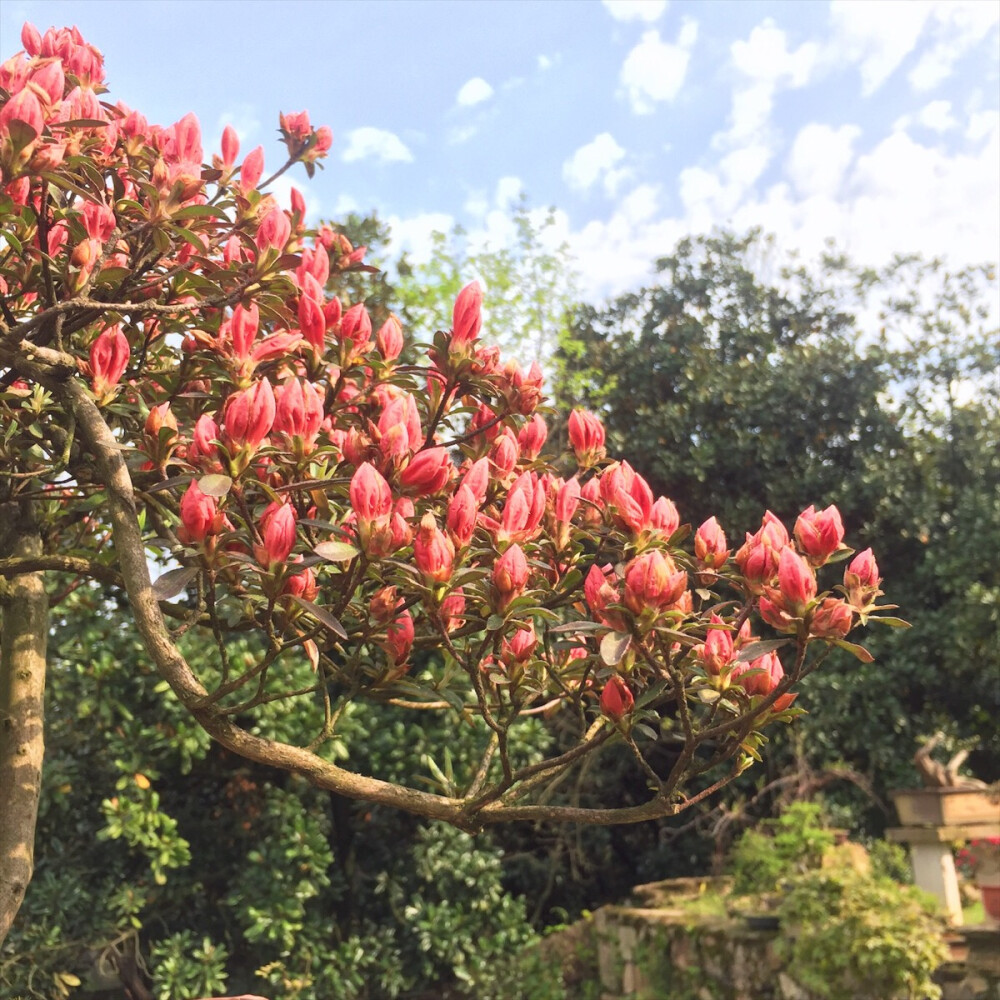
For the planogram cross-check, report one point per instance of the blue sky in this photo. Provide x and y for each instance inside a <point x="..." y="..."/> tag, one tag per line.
<point x="872" y="123"/>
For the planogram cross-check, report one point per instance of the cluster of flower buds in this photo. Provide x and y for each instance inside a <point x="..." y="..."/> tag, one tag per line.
<point x="308" y="470"/>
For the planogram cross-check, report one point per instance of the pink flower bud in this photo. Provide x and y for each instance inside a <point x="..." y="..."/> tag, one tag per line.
<point x="710" y="545"/>
<point x="510" y="575"/>
<point x="301" y="585"/>
<point x="531" y="437"/>
<point x="653" y="582"/>
<point x="567" y="501"/>
<point x="523" y="510"/>
<point x="617" y="699"/>
<point x="832" y="619"/>
<point x="452" y="608"/>
<point x="23" y="107"/>
<point x="819" y="535"/>
<point x="760" y="676"/>
<point x="466" y="317"/>
<point x="504" y="454"/>
<point x="198" y="515"/>
<point x="433" y="551"/>
<point x="31" y="39"/>
<point x="298" y="411"/>
<point x="864" y="569"/>
<point x="586" y="436"/>
<point x="277" y="528"/>
<point x="521" y="645"/>
<point x="248" y="415"/>
<point x="399" y="638"/>
<point x="243" y="329"/>
<point x="600" y="591"/>
<point x="478" y="479"/>
<point x="252" y="170"/>
<point x="796" y="581"/>
<point x="230" y="146"/>
<point x="109" y="357"/>
<point x="382" y="607"/>
<point x="429" y="471"/>
<point x="370" y="495"/>
<point x="718" y="651"/>
<point x="274" y="231"/>
<point x="203" y="448"/>
<point x="462" y="511"/>
<point x="389" y="339"/>
<point x="356" y="325"/>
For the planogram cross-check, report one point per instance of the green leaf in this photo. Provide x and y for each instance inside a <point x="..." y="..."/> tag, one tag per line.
<point x="755" y="649"/>
<point x="852" y="647"/>
<point x="322" y="616"/>
<point x="614" y="646"/>
<point x="892" y="622"/>
<point x="494" y="623"/>
<point x="334" y="551"/>
<point x="215" y="485"/>
<point x="173" y="582"/>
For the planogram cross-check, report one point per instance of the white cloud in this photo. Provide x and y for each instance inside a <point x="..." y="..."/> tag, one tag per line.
<point x="415" y="234"/>
<point x="345" y="205"/>
<point x="957" y="27"/>
<point x="244" y="120"/>
<point x="877" y="35"/>
<point x="544" y="62"/>
<point x="368" y="143"/>
<point x="820" y="157"/>
<point x="509" y="190"/>
<point x="596" y="161"/>
<point x="461" y="133"/>
<point x="937" y="116"/>
<point x="636" y="10"/>
<point x="766" y="64"/>
<point x="474" y="91"/>
<point x="654" y="71"/>
<point x="982" y="124"/>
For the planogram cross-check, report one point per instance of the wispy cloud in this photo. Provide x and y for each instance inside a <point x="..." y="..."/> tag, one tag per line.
<point x="654" y="71"/>
<point x="369" y="143"/>
<point x="473" y="92"/>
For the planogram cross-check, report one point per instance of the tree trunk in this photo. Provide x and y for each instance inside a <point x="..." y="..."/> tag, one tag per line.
<point x="24" y="624"/>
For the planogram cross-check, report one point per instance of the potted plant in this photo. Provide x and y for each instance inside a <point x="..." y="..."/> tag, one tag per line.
<point x="985" y="856"/>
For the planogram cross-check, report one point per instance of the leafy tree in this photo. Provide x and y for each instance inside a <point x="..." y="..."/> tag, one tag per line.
<point x="179" y="388"/>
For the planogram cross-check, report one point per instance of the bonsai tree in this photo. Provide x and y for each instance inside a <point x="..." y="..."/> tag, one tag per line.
<point x="180" y="393"/>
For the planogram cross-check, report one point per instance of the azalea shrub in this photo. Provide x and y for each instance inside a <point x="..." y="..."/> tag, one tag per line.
<point x="328" y="503"/>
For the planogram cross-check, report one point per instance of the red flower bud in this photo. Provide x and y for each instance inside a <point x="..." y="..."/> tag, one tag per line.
<point x="198" y="515"/>
<point x="274" y="231"/>
<point x="617" y="699"/>
<point x="718" y="651"/>
<point x="429" y="471"/>
<point x="710" y="545"/>
<point x="832" y="619"/>
<point x="863" y="571"/>
<point x="433" y="551"/>
<point x="466" y="316"/>
<point x="370" y="495"/>
<point x="278" y="533"/>
<point x="531" y="437"/>
<point x="451" y="610"/>
<point x="819" y="535"/>
<point x="230" y="146"/>
<point x="586" y="435"/>
<point x="462" y="511"/>
<point x="653" y="582"/>
<point x="248" y="415"/>
<point x="109" y="357"/>
<point x="399" y="638"/>
<point x="252" y="169"/>
<point x="301" y="585"/>
<point x="389" y="339"/>
<point x="796" y="581"/>
<point x="510" y="575"/>
<point x="600" y="592"/>
<point x="760" y="676"/>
